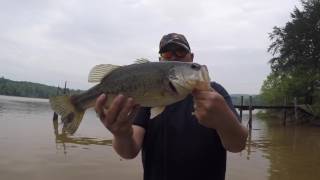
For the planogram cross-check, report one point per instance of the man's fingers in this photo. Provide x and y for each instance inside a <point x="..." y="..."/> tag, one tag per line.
<point x="134" y="112"/>
<point x="124" y="113"/>
<point x="200" y="95"/>
<point x="101" y="100"/>
<point x="114" y="109"/>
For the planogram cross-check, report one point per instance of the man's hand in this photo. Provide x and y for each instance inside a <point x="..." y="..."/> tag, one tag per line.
<point x="118" y="117"/>
<point x="210" y="108"/>
<point x="212" y="111"/>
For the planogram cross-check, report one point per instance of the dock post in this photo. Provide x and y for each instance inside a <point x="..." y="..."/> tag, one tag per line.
<point x="241" y="106"/>
<point x="65" y="88"/>
<point x="249" y="143"/>
<point x="285" y="111"/>
<point x="250" y="112"/>
<point x="295" y="108"/>
<point x="55" y="115"/>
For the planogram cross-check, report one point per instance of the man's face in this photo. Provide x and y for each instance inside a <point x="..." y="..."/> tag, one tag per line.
<point x="176" y="53"/>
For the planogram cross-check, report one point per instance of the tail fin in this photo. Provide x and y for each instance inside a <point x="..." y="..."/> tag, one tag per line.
<point x="70" y="115"/>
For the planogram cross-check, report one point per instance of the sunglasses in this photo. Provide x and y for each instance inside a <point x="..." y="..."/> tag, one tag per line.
<point x="176" y="53"/>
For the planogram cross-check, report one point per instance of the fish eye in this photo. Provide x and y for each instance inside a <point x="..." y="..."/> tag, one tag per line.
<point x="195" y="66"/>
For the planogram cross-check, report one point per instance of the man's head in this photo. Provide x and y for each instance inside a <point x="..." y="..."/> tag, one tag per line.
<point x="175" y="47"/>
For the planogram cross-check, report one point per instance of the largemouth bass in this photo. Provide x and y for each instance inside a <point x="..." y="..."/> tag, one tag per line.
<point x="150" y="84"/>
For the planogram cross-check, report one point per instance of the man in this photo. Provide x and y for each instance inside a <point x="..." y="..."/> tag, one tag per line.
<point x="177" y="144"/>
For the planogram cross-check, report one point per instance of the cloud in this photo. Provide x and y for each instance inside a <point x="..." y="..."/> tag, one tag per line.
<point x="53" y="41"/>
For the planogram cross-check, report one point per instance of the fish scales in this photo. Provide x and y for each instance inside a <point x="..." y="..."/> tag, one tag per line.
<point x="131" y="80"/>
<point x="134" y="77"/>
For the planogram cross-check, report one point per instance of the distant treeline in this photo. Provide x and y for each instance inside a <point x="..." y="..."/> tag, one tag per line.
<point x="29" y="89"/>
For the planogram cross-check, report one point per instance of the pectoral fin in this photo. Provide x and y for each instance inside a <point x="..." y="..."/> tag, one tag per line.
<point x="155" y="111"/>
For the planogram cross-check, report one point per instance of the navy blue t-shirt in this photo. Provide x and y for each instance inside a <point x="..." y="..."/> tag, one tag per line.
<point x="177" y="147"/>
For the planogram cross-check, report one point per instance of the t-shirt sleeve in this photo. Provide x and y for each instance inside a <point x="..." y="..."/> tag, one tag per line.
<point x="226" y="96"/>
<point x="142" y="117"/>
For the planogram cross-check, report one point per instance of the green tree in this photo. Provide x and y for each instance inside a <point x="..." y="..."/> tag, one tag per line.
<point x="296" y="57"/>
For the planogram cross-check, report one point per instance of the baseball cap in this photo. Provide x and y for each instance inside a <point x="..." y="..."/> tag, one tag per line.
<point x="173" y="38"/>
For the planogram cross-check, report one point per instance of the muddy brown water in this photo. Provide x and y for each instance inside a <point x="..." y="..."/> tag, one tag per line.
<point x="31" y="148"/>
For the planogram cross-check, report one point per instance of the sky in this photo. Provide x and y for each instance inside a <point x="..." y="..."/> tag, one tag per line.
<point x="54" y="41"/>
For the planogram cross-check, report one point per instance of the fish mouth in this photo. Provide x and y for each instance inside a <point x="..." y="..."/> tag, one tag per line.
<point x="201" y="81"/>
<point x="189" y="82"/>
<point x="205" y="73"/>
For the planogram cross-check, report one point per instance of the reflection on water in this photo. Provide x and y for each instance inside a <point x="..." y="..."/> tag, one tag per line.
<point x="253" y="145"/>
<point x="276" y="152"/>
<point x="294" y="153"/>
<point x="64" y="138"/>
<point x="251" y="162"/>
<point x="33" y="147"/>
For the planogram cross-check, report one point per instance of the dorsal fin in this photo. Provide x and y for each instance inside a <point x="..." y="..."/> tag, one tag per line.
<point x="98" y="72"/>
<point x="141" y="60"/>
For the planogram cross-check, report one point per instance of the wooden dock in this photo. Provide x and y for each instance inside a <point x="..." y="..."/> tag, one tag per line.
<point x="295" y="107"/>
<point x="246" y="107"/>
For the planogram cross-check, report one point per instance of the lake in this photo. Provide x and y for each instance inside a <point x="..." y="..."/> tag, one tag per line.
<point x="32" y="147"/>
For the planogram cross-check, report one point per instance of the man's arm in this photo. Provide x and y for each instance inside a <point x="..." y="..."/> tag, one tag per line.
<point x="129" y="148"/>
<point x="212" y="111"/>
<point x="117" y="119"/>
